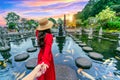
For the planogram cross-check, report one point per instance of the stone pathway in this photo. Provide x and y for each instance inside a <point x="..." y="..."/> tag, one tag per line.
<point x="95" y="55"/>
<point x="63" y="72"/>
<point x="21" y="57"/>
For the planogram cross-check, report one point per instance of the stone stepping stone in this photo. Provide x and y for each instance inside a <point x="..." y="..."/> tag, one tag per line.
<point x="33" y="38"/>
<point x="78" y="41"/>
<point x="98" y="36"/>
<point x="87" y="49"/>
<point x="96" y="56"/>
<point x="118" y="49"/>
<point x="31" y="63"/>
<point x="3" y="49"/>
<point x="18" y="38"/>
<point x="32" y="49"/>
<point x="62" y="72"/>
<point x="21" y="57"/>
<point x="65" y="73"/>
<point x="106" y="38"/>
<point x="12" y="41"/>
<point x="8" y="38"/>
<point x="112" y="40"/>
<point x="70" y="35"/>
<point x="36" y="45"/>
<point x="82" y="44"/>
<point x="82" y="62"/>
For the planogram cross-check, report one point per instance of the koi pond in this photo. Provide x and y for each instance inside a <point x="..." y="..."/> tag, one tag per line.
<point x="65" y="53"/>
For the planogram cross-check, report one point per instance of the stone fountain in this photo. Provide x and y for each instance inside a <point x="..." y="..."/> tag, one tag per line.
<point x="118" y="42"/>
<point x="60" y="38"/>
<point x="100" y="32"/>
<point x="80" y="31"/>
<point x="90" y="34"/>
<point x="119" y="36"/>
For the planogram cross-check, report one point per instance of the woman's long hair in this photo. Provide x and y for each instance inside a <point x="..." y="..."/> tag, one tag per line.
<point x="41" y="36"/>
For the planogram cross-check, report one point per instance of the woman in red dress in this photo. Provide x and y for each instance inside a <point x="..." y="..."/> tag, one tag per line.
<point x="45" y="56"/>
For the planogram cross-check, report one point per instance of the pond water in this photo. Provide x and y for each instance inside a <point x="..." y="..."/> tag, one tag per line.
<point x="69" y="51"/>
<point x="106" y="46"/>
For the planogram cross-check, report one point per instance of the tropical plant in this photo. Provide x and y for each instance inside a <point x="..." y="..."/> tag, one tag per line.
<point x="53" y="20"/>
<point x="105" y="15"/>
<point x="94" y="7"/>
<point x="31" y="24"/>
<point x="79" y="22"/>
<point x="12" y="20"/>
<point x="112" y="25"/>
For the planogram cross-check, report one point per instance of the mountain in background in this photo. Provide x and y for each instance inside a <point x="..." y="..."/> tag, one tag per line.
<point x="95" y="6"/>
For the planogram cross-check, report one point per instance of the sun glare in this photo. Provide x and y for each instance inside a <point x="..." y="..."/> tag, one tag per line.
<point x="70" y="17"/>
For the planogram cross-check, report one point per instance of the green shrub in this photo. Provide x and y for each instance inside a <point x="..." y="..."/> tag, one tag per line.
<point x="112" y="25"/>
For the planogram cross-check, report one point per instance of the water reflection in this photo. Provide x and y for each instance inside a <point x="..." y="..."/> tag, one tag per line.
<point x="107" y="70"/>
<point x="99" y="40"/>
<point x="34" y="42"/>
<point x="6" y="55"/>
<point x="5" y="59"/>
<point x="17" y="42"/>
<point x="107" y="49"/>
<point x="60" y="42"/>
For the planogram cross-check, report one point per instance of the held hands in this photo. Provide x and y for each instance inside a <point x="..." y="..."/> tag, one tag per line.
<point x="37" y="71"/>
<point x="42" y="69"/>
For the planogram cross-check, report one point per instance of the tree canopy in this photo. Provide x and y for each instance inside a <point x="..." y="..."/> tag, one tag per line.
<point x="106" y="14"/>
<point x="12" y="20"/>
<point x="95" y="6"/>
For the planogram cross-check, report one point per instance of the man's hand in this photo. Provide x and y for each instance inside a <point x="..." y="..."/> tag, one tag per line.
<point x="36" y="72"/>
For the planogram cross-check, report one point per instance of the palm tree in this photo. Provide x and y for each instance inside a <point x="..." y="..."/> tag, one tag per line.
<point x="53" y="20"/>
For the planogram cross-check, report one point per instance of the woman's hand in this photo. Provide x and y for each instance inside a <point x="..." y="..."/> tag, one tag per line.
<point x="44" y="68"/>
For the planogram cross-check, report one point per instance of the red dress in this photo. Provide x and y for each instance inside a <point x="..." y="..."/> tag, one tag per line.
<point x="45" y="55"/>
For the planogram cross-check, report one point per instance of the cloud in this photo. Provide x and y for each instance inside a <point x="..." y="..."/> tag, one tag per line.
<point x="42" y="8"/>
<point x="38" y="3"/>
<point x="61" y="8"/>
<point x="56" y="6"/>
<point x="46" y="3"/>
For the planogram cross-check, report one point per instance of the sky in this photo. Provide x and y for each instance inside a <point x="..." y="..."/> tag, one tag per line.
<point x="36" y="9"/>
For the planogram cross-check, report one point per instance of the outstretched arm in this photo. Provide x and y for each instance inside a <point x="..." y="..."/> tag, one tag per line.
<point x="36" y="72"/>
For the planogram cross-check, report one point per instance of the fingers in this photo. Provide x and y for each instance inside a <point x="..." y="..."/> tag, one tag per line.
<point x="42" y="63"/>
<point x="47" y="66"/>
<point x="39" y="66"/>
<point x="44" y="68"/>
